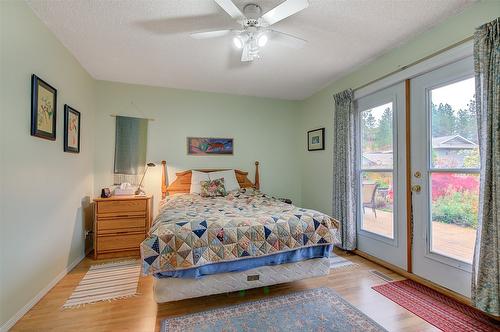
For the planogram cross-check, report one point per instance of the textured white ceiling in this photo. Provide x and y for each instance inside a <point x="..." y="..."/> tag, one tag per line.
<point x="147" y="41"/>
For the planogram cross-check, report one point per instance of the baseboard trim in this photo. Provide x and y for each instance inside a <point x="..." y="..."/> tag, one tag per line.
<point x="414" y="277"/>
<point x="14" y="319"/>
<point x="438" y="288"/>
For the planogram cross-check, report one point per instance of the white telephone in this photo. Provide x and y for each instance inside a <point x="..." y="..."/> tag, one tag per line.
<point x="125" y="189"/>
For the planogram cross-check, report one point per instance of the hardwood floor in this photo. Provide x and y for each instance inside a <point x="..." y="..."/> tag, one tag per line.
<point x="142" y="313"/>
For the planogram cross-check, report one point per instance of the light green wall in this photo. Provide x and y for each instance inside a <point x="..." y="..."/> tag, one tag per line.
<point x="317" y="111"/>
<point x="263" y="129"/>
<point x="42" y="187"/>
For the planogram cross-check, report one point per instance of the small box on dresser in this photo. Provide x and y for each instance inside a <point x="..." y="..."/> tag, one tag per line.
<point x="121" y="224"/>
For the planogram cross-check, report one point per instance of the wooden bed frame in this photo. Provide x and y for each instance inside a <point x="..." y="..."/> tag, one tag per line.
<point x="175" y="289"/>
<point x="182" y="183"/>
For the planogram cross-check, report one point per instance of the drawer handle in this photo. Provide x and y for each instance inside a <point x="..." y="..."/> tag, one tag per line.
<point x="121" y="218"/>
<point x="124" y="216"/>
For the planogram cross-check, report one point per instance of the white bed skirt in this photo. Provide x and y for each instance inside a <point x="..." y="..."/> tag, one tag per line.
<point x="174" y="289"/>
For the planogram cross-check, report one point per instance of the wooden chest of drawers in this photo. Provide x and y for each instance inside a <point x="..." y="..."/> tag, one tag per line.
<point x="121" y="224"/>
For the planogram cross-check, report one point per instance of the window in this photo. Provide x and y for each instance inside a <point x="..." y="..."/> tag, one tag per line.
<point x="377" y="189"/>
<point x="454" y="170"/>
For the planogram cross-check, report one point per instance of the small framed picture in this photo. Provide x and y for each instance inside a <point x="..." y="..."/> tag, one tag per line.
<point x="71" y="130"/>
<point x="43" y="109"/>
<point x="316" y="139"/>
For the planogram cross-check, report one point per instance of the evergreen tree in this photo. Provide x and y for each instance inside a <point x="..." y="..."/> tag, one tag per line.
<point x="368" y="124"/>
<point x="369" y="119"/>
<point x="466" y="123"/>
<point x="383" y="132"/>
<point x="443" y="120"/>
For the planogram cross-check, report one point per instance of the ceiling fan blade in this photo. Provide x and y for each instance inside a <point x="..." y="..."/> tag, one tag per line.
<point x="230" y="8"/>
<point x="288" y="40"/>
<point x="285" y="9"/>
<point x="210" y="34"/>
<point x="245" y="54"/>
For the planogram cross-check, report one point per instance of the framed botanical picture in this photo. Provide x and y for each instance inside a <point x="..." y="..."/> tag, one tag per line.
<point x="71" y="130"/>
<point x="43" y="109"/>
<point x="201" y="146"/>
<point x="316" y="139"/>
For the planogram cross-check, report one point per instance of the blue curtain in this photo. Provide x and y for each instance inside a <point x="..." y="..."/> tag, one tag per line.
<point x="485" y="270"/>
<point x="344" y="168"/>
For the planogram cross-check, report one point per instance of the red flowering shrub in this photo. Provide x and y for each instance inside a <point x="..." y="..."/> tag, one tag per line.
<point x="455" y="198"/>
<point x="446" y="182"/>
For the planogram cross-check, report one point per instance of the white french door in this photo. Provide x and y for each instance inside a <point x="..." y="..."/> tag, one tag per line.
<point x="381" y="223"/>
<point x="445" y="174"/>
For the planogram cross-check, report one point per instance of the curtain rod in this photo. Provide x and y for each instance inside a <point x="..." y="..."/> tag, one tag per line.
<point x="416" y="62"/>
<point x="115" y="115"/>
<point x="137" y="108"/>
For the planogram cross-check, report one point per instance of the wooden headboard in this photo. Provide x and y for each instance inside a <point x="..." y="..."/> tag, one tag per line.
<point x="182" y="183"/>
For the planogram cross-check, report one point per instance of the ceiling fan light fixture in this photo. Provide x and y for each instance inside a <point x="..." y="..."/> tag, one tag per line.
<point x="255" y="30"/>
<point x="262" y="40"/>
<point x="238" y="42"/>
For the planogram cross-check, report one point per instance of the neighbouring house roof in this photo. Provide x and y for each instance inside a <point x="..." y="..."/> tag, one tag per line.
<point x="384" y="159"/>
<point x="452" y="142"/>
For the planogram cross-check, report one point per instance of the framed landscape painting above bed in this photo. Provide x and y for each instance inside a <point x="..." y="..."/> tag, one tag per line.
<point x="201" y="146"/>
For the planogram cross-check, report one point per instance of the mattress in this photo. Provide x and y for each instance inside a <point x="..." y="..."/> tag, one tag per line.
<point x="250" y="263"/>
<point x="174" y="289"/>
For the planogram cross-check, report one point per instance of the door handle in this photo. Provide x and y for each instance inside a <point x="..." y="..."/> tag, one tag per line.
<point x="416" y="188"/>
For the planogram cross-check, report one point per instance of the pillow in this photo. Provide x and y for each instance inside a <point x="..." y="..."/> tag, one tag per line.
<point x="213" y="188"/>
<point x="196" y="177"/>
<point x="229" y="177"/>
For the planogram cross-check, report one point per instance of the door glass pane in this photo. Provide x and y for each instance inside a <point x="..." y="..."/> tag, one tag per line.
<point x="454" y="126"/>
<point x="377" y="194"/>
<point x="376" y="137"/>
<point x="455" y="199"/>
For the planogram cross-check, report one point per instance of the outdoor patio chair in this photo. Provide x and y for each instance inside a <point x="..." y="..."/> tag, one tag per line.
<point x="369" y="191"/>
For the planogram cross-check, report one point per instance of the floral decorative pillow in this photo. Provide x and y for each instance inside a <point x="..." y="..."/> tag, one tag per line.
<point x="213" y="188"/>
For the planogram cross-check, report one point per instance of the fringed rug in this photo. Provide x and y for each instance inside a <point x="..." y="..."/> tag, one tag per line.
<point x="337" y="262"/>
<point x="439" y="310"/>
<point x="107" y="281"/>
<point x="319" y="309"/>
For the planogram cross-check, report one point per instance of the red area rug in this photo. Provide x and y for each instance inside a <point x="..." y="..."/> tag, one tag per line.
<point x="441" y="311"/>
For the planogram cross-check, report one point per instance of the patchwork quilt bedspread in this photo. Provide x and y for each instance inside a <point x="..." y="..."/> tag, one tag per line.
<point x="192" y="231"/>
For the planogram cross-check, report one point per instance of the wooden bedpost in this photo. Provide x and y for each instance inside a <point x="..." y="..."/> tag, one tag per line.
<point x="163" y="179"/>
<point x="257" y="180"/>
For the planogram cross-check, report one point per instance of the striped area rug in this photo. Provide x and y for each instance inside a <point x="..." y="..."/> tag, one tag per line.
<point x="107" y="281"/>
<point x="337" y="262"/>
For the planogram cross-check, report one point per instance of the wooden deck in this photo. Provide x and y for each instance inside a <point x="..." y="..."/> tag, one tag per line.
<point x="381" y="224"/>
<point x="449" y="240"/>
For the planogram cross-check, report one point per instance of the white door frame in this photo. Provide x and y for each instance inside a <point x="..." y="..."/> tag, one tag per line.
<point x="390" y="250"/>
<point x="418" y="68"/>
<point x="443" y="270"/>
<point x="411" y="71"/>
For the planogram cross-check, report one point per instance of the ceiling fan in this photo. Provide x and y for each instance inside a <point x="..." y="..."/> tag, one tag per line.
<point x="255" y="32"/>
